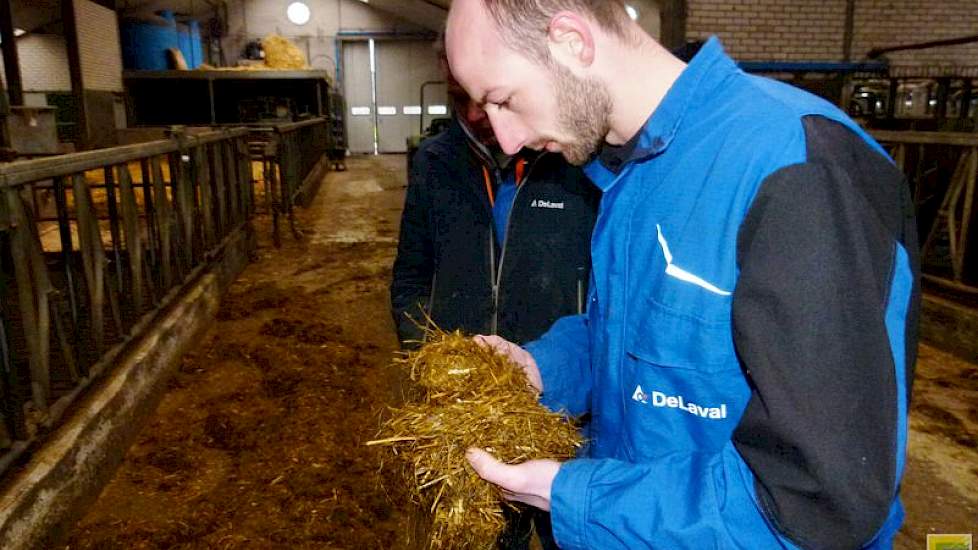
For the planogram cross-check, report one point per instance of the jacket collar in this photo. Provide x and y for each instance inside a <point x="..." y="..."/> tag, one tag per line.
<point x="477" y="146"/>
<point x="486" y="156"/>
<point x="693" y="88"/>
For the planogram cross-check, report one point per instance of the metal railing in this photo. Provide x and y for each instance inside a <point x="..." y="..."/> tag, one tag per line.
<point x="92" y="246"/>
<point x="942" y="169"/>
<point x="289" y="154"/>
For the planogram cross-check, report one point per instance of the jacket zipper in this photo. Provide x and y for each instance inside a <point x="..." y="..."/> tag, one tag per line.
<point x="580" y="290"/>
<point x="495" y="273"/>
<point x="483" y="153"/>
<point x="494" y="323"/>
<point x="429" y="310"/>
<point x="498" y="273"/>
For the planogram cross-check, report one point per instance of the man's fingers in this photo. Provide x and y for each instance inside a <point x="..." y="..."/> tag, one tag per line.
<point x="510" y="495"/>
<point x="482" y="462"/>
<point x="489" y="341"/>
<point x="529" y="482"/>
<point x="489" y="468"/>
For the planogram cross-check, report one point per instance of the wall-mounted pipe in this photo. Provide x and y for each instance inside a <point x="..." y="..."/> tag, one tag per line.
<point x="877" y="52"/>
<point x="386" y="35"/>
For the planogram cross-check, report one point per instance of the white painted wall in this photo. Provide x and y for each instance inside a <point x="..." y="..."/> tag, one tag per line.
<point x="253" y="19"/>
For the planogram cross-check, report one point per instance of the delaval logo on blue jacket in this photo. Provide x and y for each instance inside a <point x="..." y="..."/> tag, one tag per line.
<point x="661" y="400"/>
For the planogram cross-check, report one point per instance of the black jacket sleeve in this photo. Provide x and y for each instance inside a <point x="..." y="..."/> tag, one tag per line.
<point x="817" y="259"/>
<point x="414" y="268"/>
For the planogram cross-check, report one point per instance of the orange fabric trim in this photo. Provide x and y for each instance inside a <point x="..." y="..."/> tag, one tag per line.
<point x="520" y="169"/>
<point x="488" y="180"/>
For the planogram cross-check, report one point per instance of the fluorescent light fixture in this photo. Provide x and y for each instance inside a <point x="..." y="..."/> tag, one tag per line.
<point x="298" y="13"/>
<point x="412" y="110"/>
<point x="386" y="111"/>
<point x="437" y="110"/>
<point x="632" y="12"/>
<point x="360" y="111"/>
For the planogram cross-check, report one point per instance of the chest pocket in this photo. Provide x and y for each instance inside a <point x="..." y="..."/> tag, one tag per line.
<point x="666" y="337"/>
<point x="682" y="317"/>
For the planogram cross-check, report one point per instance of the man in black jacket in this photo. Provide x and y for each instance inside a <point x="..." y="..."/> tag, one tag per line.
<point x="491" y="244"/>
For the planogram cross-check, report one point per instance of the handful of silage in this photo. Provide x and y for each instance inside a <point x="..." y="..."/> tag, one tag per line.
<point x="470" y="397"/>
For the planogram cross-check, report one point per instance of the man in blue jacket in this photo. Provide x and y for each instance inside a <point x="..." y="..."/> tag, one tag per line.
<point x="748" y="347"/>
<point x="491" y="243"/>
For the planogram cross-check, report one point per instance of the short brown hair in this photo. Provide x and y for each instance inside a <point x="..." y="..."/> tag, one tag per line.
<point x="525" y="24"/>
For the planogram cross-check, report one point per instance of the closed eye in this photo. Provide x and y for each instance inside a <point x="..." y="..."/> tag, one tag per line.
<point x="502" y="103"/>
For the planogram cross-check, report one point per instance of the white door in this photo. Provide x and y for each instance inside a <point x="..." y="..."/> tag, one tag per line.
<point x="358" y="89"/>
<point x="402" y="67"/>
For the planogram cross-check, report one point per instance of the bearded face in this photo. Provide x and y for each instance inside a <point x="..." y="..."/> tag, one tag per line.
<point x="583" y="114"/>
<point x="531" y="103"/>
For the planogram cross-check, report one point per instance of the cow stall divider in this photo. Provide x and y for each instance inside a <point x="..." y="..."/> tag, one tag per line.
<point x="942" y="171"/>
<point x="93" y="246"/>
<point x="289" y="160"/>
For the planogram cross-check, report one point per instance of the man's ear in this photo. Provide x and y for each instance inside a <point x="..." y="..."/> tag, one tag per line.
<point x="570" y="40"/>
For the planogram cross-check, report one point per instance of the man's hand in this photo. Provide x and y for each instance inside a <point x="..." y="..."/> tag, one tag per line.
<point x="516" y="354"/>
<point x="529" y="482"/>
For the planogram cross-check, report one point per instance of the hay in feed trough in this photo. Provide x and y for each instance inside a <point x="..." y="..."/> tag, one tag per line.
<point x="469" y="397"/>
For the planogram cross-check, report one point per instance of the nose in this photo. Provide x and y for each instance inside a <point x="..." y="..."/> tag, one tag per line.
<point x="510" y="134"/>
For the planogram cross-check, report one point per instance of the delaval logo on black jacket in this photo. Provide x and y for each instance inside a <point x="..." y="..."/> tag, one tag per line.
<point x="540" y="203"/>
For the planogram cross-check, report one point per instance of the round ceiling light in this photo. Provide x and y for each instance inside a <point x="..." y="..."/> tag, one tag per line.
<point x="632" y="12"/>
<point x="298" y="13"/>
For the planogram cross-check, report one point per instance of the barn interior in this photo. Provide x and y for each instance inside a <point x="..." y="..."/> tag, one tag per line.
<point x="202" y="207"/>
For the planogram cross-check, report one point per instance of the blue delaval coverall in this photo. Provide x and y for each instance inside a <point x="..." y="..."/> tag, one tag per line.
<point x="748" y="348"/>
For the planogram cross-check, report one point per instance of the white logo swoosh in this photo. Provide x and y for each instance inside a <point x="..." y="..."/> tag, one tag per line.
<point x="680" y="273"/>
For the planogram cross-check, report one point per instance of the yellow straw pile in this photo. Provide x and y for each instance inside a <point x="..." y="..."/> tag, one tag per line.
<point x="470" y="397"/>
<point x="280" y="53"/>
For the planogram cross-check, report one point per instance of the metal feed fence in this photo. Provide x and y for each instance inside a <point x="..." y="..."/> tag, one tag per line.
<point x="286" y="156"/>
<point x="92" y="246"/>
<point x="942" y="169"/>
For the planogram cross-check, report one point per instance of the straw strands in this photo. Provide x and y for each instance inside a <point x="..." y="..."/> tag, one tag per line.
<point x="469" y="397"/>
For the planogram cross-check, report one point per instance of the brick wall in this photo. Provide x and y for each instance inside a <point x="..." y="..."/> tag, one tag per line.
<point x="43" y="63"/>
<point x="44" y="57"/>
<point x="99" y="45"/>
<point x="881" y="23"/>
<point x="771" y="30"/>
<point x="810" y="30"/>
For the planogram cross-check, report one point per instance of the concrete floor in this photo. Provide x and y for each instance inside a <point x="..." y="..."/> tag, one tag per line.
<point x="362" y="206"/>
<point x="940" y="489"/>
